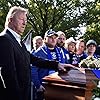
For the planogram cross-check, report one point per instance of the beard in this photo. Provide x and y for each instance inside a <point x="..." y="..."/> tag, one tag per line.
<point x="50" y="45"/>
<point x="61" y="44"/>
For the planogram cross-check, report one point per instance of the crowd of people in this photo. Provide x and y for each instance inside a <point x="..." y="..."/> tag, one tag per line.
<point x="15" y="60"/>
<point x="20" y="68"/>
<point x="55" y="45"/>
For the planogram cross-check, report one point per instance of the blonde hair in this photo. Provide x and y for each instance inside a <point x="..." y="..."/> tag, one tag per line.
<point x="13" y="10"/>
<point x="69" y="41"/>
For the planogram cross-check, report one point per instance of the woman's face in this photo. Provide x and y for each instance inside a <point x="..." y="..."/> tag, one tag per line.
<point x="72" y="47"/>
<point x="81" y="47"/>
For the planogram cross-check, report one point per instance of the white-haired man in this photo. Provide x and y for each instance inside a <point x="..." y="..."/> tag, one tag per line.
<point x="15" y="60"/>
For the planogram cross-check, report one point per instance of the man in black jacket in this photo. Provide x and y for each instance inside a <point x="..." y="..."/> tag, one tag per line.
<point x="15" y="60"/>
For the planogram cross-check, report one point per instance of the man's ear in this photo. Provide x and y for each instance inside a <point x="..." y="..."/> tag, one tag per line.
<point x="10" y="19"/>
<point x="44" y="38"/>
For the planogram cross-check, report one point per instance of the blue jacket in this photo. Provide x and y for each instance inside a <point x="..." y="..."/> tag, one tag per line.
<point x="39" y="73"/>
<point x="75" y="59"/>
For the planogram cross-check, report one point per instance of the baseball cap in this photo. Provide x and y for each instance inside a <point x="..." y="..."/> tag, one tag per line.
<point x="91" y="42"/>
<point x="50" y="33"/>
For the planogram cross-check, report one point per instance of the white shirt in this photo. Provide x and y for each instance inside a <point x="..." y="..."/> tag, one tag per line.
<point x="16" y="35"/>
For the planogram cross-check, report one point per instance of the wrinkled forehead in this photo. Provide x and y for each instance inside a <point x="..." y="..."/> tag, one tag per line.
<point x="20" y="14"/>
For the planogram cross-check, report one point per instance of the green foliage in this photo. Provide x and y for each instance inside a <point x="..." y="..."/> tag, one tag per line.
<point x="96" y="91"/>
<point x="64" y="15"/>
<point x="50" y="14"/>
<point x="93" y="32"/>
<point x="3" y="11"/>
<point x="93" y="22"/>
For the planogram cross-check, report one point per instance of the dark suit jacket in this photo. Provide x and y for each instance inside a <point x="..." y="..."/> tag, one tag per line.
<point x="16" y="72"/>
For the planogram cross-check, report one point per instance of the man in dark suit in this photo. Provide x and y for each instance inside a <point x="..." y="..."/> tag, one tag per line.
<point x="15" y="60"/>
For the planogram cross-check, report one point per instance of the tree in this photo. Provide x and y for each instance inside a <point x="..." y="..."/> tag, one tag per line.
<point x="61" y="15"/>
<point x="64" y="15"/>
<point x="3" y="11"/>
<point x="93" y="22"/>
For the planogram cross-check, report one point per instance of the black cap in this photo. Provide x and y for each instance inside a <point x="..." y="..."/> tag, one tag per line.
<point x="91" y="42"/>
<point x="50" y="33"/>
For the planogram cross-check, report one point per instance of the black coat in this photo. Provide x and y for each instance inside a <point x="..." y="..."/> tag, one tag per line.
<point x="16" y="72"/>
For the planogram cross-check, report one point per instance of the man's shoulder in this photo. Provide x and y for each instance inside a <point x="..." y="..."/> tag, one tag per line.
<point x="4" y="38"/>
<point x="4" y="34"/>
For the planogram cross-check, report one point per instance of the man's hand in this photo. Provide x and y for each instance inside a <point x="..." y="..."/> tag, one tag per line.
<point x="64" y="66"/>
<point x="41" y="89"/>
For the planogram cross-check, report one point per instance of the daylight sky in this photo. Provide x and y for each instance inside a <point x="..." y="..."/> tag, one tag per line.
<point x="27" y="0"/>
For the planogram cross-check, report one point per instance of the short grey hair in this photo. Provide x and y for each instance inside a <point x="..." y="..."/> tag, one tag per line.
<point x="37" y="37"/>
<point x="13" y="10"/>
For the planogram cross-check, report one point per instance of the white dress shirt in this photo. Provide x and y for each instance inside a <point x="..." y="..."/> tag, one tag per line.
<point x="16" y="35"/>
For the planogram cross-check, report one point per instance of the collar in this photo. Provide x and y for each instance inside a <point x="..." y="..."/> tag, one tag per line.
<point x="16" y="35"/>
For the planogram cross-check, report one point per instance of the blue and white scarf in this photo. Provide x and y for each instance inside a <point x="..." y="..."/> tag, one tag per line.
<point x="59" y="54"/>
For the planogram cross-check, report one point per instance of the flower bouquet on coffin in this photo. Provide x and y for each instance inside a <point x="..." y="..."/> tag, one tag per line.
<point x="90" y="62"/>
